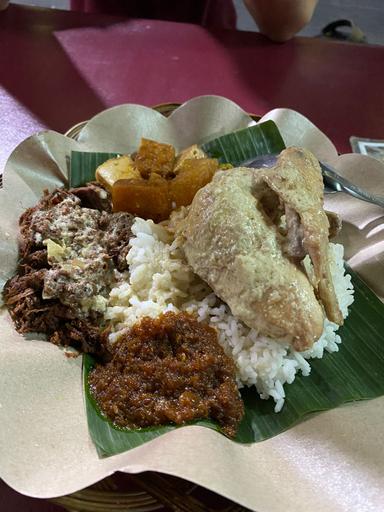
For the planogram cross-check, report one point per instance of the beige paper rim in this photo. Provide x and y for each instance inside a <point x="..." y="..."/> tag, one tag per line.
<point x="307" y="468"/>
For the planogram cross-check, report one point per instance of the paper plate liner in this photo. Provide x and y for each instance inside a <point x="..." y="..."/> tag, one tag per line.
<point x="146" y="491"/>
<point x="292" y="471"/>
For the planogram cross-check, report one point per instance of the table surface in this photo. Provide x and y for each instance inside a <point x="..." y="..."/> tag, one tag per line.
<point x="58" y="68"/>
<point x="55" y="73"/>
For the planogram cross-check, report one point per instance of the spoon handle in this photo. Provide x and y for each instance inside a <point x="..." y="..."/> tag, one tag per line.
<point x="337" y="182"/>
<point x="332" y="180"/>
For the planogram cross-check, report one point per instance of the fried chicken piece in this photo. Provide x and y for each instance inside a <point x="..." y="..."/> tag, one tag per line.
<point x="232" y="242"/>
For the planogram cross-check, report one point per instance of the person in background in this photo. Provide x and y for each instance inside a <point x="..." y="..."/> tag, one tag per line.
<point x="279" y="20"/>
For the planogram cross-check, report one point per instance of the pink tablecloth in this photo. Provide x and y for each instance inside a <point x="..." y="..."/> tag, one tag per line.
<point x="55" y="73"/>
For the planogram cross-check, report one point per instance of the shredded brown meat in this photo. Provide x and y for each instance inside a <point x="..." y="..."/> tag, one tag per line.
<point x="46" y="298"/>
<point x="168" y="369"/>
<point x="93" y="196"/>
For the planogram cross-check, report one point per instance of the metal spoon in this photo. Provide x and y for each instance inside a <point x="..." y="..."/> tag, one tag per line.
<point x="333" y="182"/>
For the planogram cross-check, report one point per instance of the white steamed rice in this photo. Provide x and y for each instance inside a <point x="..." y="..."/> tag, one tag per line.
<point x="160" y="280"/>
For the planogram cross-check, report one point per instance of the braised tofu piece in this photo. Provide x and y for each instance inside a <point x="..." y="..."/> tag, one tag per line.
<point x="190" y="153"/>
<point x="148" y="199"/>
<point x="120" y="168"/>
<point x="155" y="157"/>
<point x="193" y="175"/>
<point x="146" y="183"/>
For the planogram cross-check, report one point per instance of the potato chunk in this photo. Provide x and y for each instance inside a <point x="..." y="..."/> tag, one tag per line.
<point x="148" y="199"/>
<point x="155" y="157"/>
<point x="193" y="175"/>
<point x="115" y="169"/>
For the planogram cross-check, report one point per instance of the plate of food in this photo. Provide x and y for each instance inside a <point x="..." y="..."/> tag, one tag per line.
<point x="196" y="306"/>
